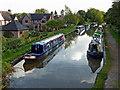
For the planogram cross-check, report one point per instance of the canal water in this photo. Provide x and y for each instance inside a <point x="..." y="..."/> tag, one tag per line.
<point x="67" y="66"/>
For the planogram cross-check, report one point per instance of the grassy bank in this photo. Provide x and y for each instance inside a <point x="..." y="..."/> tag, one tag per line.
<point x="102" y="75"/>
<point x="113" y="31"/>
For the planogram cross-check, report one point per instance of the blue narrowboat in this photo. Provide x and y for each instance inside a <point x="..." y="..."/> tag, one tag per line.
<point x="43" y="47"/>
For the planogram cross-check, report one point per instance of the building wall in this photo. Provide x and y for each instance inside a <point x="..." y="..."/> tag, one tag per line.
<point x="21" y="33"/>
<point x="29" y="24"/>
<point x="17" y="34"/>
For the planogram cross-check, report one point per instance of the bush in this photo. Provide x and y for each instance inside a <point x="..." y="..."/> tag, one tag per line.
<point x="8" y="34"/>
<point x="3" y="39"/>
<point x="44" y="28"/>
<point x="26" y="34"/>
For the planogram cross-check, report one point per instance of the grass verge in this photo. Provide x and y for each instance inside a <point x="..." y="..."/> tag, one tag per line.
<point x="115" y="34"/>
<point x="102" y="75"/>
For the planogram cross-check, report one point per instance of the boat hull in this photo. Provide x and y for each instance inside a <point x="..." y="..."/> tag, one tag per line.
<point x="95" y="55"/>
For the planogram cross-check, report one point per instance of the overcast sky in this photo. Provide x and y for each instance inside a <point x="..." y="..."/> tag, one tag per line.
<point x="29" y="6"/>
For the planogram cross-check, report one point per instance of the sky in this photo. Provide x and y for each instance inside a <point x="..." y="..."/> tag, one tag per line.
<point x="29" y="6"/>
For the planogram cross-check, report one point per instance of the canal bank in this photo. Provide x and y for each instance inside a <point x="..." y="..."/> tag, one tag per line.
<point x="108" y="77"/>
<point x="112" y="80"/>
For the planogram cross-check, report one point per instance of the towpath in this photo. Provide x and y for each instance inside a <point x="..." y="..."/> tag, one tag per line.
<point x="114" y="73"/>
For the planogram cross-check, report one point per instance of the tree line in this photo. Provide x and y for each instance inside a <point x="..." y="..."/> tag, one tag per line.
<point x="112" y="16"/>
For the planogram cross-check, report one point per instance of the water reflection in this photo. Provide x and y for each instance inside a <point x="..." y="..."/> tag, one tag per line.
<point x="69" y="38"/>
<point x="94" y="64"/>
<point x="29" y="65"/>
<point x="90" y="32"/>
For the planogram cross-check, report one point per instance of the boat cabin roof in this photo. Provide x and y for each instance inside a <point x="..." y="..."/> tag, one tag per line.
<point x="48" y="39"/>
<point x="94" y="42"/>
<point x="80" y="26"/>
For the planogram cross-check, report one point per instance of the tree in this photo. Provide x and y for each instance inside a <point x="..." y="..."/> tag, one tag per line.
<point x="41" y="11"/>
<point x="82" y="13"/>
<point x="81" y="20"/>
<point x="54" y="24"/>
<point x="70" y="19"/>
<point x="94" y="15"/>
<point x="56" y="15"/>
<point x="21" y="15"/>
<point x="62" y="12"/>
<point x="113" y="15"/>
<point x="67" y="10"/>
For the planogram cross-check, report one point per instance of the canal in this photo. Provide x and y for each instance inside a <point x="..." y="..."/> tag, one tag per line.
<point x="67" y="66"/>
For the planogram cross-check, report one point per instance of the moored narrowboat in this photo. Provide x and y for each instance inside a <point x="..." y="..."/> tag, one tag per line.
<point x="80" y="29"/>
<point x="95" y="49"/>
<point x="87" y="26"/>
<point x="44" y="47"/>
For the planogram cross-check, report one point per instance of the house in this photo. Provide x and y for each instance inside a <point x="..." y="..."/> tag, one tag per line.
<point x="9" y="22"/>
<point x="6" y="17"/>
<point x="36" y="21"/>
<point x="15" y="27"/>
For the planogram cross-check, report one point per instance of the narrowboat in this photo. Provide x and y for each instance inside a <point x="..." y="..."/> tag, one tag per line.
<point x="87" y="26"/>
<point x="30" y="64"/>
<point x="94" y="24"/>
<point x="95" y="49"/>
<point x="44" y="47"/>
<point x="80" y="29"/>
<point x="98" y="34"/>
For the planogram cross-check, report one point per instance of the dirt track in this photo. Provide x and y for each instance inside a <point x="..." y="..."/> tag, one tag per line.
<point x="112" y="81"/>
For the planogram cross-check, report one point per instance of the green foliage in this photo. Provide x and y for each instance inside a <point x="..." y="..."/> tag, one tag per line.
<point x="70" y="19"/>
<point x="62" y="12"/>
<point x="94" y="15"/>
<point x="26" y="34"/>
<point x="44" y="27"/>
<point x="56" y="15"/>
<point x="67" y="10"/>
<point x="81" y="20"/>
<point x="8" y="34"/>
<point x="113" y="16"/>
<point x="12" y="44"/>
<point x="54" y="24"/>
<point x="82" y="13"/>
<point x="41" y="11"/>
<point x="115" y="34"/>
<point x="21" y="15"/>
<point x="3" y="39"/>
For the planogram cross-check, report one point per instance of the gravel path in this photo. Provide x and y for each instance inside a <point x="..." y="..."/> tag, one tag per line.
<point x="113" y="74"/>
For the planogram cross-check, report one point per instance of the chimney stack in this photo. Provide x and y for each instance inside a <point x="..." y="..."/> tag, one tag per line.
<point x="9" y="11"/>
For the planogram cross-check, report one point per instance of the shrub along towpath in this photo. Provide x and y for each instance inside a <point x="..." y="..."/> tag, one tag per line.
<point x="114" y="72"/>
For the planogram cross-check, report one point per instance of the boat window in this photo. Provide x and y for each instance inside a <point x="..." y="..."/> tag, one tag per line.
<point x="48" y="45"/>
<point x="80" y="28"/>
<point x="37" y="49"/>
<point x="77" y="27"/>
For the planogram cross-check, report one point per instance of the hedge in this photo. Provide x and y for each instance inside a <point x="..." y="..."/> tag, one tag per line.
<point x="12" y="44"/>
